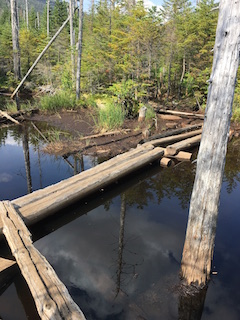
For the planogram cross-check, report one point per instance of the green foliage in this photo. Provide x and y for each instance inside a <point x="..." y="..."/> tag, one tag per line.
<point x="109" y="117"/>
<point x="129" y="94"/>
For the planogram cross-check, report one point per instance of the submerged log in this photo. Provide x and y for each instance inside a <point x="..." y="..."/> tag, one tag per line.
<point x="183" y="145"/>
<point x="50" y="294"/>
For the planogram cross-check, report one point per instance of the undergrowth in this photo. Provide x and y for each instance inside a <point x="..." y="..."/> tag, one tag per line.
<point x="109" y="117"/>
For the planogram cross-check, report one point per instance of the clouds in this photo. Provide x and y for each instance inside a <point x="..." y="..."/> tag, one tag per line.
<point x="5" y="177"/>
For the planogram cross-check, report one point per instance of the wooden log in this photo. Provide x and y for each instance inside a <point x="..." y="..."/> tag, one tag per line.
<point x="169" y="117"/>
<point x="51" y="296"/>
<point x="7" y="116"/>
<point x="164" y="141"/>
<point x="181" y="156"/>
<point x="165" y="162"/>
<point x="110" y="133"/>
<point x="183" y="145"/>
<point x="44" y="203"/>
<point x="182" y="114"/>
<point x="81" y="177"/>
<point x="203" y="213"/>
<point x="172" y="132"/>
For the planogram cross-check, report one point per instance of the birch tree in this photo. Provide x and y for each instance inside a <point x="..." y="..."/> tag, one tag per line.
<point x="202" y="222"/>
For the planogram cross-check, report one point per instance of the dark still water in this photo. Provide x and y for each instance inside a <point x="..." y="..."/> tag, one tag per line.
<point x="119" y="253"/>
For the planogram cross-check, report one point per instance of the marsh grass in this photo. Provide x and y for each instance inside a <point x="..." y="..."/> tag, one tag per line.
<point x="57" y="102"/>
<point x="109" y="117"/>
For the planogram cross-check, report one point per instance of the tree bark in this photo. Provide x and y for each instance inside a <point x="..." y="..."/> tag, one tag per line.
<point x="26" y="2"/>
<point x="48" y="11"/>
<point x="71" y="11"/>
<point x="79" y="56"/>
<point x="15" y="41"/>
<point x="203" y="212"/>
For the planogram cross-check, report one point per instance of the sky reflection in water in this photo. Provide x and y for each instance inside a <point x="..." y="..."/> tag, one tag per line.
<point x="128" y="268"/>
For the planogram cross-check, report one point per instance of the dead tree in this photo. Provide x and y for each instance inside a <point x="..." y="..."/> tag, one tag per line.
<point x="203" y="212"/>
<point x="79" y="55"/>
<point x="15" y="40"/>
<point x="71" y="12"/>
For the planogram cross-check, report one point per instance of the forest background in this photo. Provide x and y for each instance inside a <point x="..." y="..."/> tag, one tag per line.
<point x="129" y="52"/>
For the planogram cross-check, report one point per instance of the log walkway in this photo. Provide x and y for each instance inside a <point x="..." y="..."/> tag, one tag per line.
<point x="51" y="296"/>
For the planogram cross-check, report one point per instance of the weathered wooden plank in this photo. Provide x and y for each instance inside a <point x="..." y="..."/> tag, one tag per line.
<point x="181" y="156"/>
<point x="35" y="211"/>
<point x="179" y="137"/>
<point x="182" y="114"/>
<point x="203" y="212"/>
<point x="51" y="296"/>
<point x="183" y="145"/>
<point x="81" y="177"/>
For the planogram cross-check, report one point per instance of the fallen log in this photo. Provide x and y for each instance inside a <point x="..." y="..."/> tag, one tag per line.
<point x="43" y="203"/>
<point x="165" y="162"/>
<point x="51" y="296"/>
<point x="110" y="133"/>
<point x="183" y="145"/>
<point x="182" y="114"/>
<point x="180" y="156"/>
<point x="172" y="133"/>
<point x="169" y="117"/>
<point x="7" y="116"/>
<point x="164" y="141"/>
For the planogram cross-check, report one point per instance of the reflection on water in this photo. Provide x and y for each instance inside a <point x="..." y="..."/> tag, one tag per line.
<point x="119" y="255"/>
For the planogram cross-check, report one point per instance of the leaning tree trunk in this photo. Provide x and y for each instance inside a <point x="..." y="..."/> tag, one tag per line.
<point x="200" y="235"/>
<point x="15" y="40"/>
<point x="79" y="56"/>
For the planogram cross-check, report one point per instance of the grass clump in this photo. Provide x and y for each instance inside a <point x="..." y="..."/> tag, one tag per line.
<point x="58" y="101"/>
<point x="109" y="117"/>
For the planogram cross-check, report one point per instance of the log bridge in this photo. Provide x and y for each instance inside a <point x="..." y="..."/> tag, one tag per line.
<point x="51" y="296"/>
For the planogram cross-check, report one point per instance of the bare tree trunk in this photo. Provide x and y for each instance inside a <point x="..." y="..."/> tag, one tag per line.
<point x="79" y="57"/>
<point x="38" y="21"/>
<point x="15" y="41"/>
<point x="202" y="222"/>
<point x="182" y="76"/>
<point x="71" y="11"/>
<point x="169" y="73"/>
<point x="48" y="10"/>
<point x="39" y="57"/>
<point x="27" y="14"/>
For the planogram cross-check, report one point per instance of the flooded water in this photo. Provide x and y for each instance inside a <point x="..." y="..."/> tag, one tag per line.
<point x="119" y="252"/>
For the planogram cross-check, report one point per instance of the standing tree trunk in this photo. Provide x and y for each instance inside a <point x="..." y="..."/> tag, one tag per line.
<point x="48" y="11"/>
<point x="202" y="222"/>
<point x="79" y="56"/>
<point x="15" y="41"/>
<point x="27" y="14"/>
<point x="71" y="11"/>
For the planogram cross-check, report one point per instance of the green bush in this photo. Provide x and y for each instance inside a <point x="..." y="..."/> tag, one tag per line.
<point x="110" y="117"/>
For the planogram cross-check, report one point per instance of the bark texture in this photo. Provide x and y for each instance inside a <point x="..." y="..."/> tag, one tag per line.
<point x="200" y="235"/>
<point x="15" y="40"/>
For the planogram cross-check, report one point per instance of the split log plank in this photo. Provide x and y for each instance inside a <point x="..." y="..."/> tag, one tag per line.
<point x="169" y="117"/>
<point x="182" y="114"/>
<point x="36" y="210"/>
<point x="179" y="137"/>
<point x="183" y="145"/>
<point x="50" y="294"/>
<point x="82" y="177"/>
<point x="7" y="116"/>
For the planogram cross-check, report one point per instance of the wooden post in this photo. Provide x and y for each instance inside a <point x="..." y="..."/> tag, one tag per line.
<point x="51" y="296"/>
<point x="202" y="222"/>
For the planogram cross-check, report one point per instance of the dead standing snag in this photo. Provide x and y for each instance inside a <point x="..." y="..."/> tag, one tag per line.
<point x="203" y="212"/>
